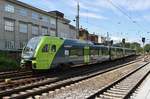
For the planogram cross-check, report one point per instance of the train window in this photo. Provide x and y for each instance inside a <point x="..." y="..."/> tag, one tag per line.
<point x="118" y="52"/>
<point x="94" y="52"/>
<point x="80" y="52"/>
<point x="53" y="48"/>
<point x="73" y="52"/>
<point x="100" y="52"/>
<point x="113" y="52"/>
<point x="105" y="51"/>
<point x="45" y="48"/>
<point x="76" y="52"/>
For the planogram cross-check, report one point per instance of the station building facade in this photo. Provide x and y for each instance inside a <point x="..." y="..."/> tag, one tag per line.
<point x="19" y="22"/>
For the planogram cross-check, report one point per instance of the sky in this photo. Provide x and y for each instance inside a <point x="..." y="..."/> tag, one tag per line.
<point x="129" y="19"/>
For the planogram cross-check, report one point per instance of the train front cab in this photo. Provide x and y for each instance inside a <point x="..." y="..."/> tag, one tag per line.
<point x="27" y="57"/>
<point x="44" y="53"/>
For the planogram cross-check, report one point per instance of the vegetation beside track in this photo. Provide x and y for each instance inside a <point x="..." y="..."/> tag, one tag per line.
<point x="7" y="62"/>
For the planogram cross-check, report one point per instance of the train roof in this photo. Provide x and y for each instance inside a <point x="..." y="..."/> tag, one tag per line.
<point x="81" y="43"/>
<point x="76" y="42"/>
<point x="68" y="41"/>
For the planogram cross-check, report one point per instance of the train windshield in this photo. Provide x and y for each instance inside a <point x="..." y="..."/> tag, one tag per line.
<point x="28" y="51"/>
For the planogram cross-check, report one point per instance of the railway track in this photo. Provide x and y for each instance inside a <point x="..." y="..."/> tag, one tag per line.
<point x="125" y="86"/>
<point x="31" y="78"/>
<point x="22" y="81"/>
<point x="49" y="84"/>
<point x="13" y="74"/>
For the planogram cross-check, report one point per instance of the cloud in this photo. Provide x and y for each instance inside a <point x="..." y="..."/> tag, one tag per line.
<point x="138" y="5"/>
<point x="92" y="15"/>
<point x="132" y="40"/>
<point x="45" y="5"/>
<point x="83" y="5"/>
<point x="133" y="5"/>
<point x="127" y="5"/>
<point x="119" y="39"/>
<point x="146" y="17"/>
<point x="96" y="6"/>
<point x="116" y="39"/>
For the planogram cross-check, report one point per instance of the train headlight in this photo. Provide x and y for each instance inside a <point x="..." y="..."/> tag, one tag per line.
<point x="34" y="65"/>
<point x="33" y="58"/>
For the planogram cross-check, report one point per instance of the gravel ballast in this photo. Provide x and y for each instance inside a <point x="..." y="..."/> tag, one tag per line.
<point x="85" y="88"/>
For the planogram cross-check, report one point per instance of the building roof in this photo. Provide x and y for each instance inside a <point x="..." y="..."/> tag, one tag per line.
<point x="37" y="9"/>
<point x="72" y="27"/>
<point x="57" y="13"/>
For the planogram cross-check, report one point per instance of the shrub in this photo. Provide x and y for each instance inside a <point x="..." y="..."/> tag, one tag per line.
<point x="7" y="63"/>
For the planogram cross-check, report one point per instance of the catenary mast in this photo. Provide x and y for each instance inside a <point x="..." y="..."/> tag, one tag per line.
<point x="77" y="19"/>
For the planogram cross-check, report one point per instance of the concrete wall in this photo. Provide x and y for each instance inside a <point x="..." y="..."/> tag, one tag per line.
<point x="17" y="37"/>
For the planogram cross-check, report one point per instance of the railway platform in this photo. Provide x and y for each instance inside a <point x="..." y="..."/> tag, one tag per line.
<point x="143" y="92"/>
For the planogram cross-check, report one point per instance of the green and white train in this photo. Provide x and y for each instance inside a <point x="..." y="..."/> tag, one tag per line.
<point x="47" y="52"/>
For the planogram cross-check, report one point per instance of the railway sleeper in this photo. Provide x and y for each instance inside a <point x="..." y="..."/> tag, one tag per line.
<point x="117" y="92"/>
<point x="120" y="90"/>
<point x="126" y="84"/>
<point x="123" y="86"/>
<point x="108" y="97"/>
<point x="113" y="94"/>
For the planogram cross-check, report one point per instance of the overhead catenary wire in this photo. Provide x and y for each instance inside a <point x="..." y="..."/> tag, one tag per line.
<point x="124" y="13"/>
<point x="139" y="14"/>
<point x="120" y="9"/>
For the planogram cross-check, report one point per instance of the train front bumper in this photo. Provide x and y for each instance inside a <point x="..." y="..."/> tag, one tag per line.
<point x="27" y="63"/>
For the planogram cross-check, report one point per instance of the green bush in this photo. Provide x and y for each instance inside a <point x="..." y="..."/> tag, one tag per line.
<point x="7" y="63"/>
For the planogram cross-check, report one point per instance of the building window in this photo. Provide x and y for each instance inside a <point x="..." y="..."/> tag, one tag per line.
<point x="9" y="25"/>
<point x="9" y="45"/>
<point x="44" y="18"/>
<point x="23" y="12"/>
<point x="53" y="21"/>
<point x="23" y="28"/>
<point x="22" y="45"/>
<point x="53" y="33"/>
<point x="63" y="34"/>
<point x="9" y="8"/>
<point x="35" y="30"/>
<point x="44" y="31"/>
<point x="35" y="15"/>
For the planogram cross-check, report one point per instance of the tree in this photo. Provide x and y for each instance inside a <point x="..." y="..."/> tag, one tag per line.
<point x="147" y="48"/>
<point x="127" y="45"/>
<point x="134" y="45"/>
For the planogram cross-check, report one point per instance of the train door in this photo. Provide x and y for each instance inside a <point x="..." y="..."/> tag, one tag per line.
<point x="43" y="56"/>
<point x="46" y="56"/>
<point x="86" y="54"/>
